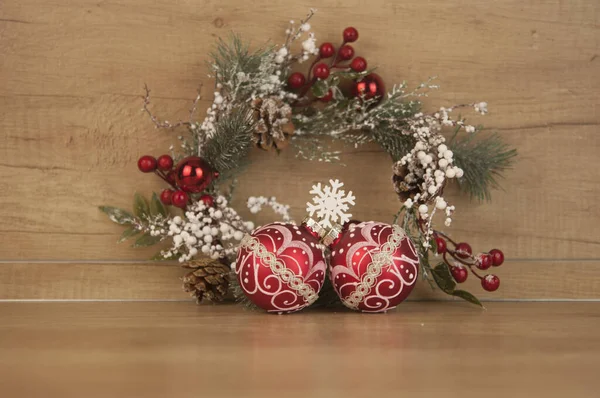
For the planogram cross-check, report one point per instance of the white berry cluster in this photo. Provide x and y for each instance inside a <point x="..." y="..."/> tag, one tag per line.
<point x="430" y="164"/>
<point x="213" y="231"/>
<point x="255" y="204"/>
<point x="295" y="32"/>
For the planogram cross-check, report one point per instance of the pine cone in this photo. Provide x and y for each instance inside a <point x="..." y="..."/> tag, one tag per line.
<point x="406" y="184"/>
<point x="273" y="123"/>
<point x="209" y="279"/>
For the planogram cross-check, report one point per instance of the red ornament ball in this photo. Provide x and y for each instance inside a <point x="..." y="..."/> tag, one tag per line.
<point x="179" y="199"/>
<point x="483" y="261"/>
<point x="166" y="196"/>
<point x="147" y="164"/>
<point x="441" y="245"/>
<point x="358" y="64"/>
<point x="281" y="268"/>
<point x="165" y="163"/>
<point x="463" y="250"/>
<point x="350" y="34"/>
<point x="497" y="257"/>
<point x="370" y="86"/>
<point x="346" y="52"/>
<point x="490" y="282"/>
<point x="296" y="80"/>
<point x="321" y="71"/>
<point x="326" y="50"/>
<point x="327" y="97"/>
<point x="459" y="273"/>
<point x="208" y="200"/>
<point x="194" y="174"/>
<point x="374" y="266"/>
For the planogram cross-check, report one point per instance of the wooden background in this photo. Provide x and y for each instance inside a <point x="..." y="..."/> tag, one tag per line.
<point x="71" y="76"/>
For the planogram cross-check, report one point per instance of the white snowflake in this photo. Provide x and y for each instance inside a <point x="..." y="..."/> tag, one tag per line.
<point x="330" y="204"/>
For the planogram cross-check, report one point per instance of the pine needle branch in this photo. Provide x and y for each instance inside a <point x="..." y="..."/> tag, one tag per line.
<point x="483" y="162"/>
<point x="232" y="139"/>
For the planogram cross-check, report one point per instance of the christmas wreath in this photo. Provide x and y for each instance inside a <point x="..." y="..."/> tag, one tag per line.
<point x="261" y="100"/>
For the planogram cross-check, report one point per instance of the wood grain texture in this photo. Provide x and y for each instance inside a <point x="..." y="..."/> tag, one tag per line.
<point x="536" y="280"/>
<point x="178" y="350"/>
<point x="72" y="73"/>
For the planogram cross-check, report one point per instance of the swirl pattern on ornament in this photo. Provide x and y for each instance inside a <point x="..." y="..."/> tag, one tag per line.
<point x="283" y="285"/>
<point x="382" y="280"/>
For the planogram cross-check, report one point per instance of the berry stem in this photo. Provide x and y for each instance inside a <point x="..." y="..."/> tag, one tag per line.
<point x="310" y="70"/>
<point x="308" y="86"/>
<point x="443" y="235"/>
<point x="164" y="178"/>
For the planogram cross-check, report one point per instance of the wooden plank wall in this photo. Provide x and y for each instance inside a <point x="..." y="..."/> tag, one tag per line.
<point x="71" y="75"/>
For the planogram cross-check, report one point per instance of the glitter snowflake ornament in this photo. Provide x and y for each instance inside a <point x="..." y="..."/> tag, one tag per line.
<point x="331" y="204"/>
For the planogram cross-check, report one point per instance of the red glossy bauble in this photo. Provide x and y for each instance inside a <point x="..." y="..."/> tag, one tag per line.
<point x="165" y="163"/>
<point x="358" y="64"/>
<point x="194" y="174"/>
<point x="490" y="282"/>
<point x="346" y="52"/>
<point x="296" y="80"/>
<point x="179" y="199"/>
<point x="208" y="200"/>
<point x="463" y="250"/>
<point x="350" y="34"/>
<point x="280" y="267"/>
<point x="326" y="50"/>
<point x="497" y="257"/>
<point x="166" y="196"/>
<point x="374" y="266"/>
<point x="459" y="273"/>
<point x="147" y="164"/>
<point x="370" y="86"/>
<point x="321" y="71"/>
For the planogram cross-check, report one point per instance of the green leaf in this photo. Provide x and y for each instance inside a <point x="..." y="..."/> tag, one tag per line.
<point x="443" y="278"/>
<point x="320" y="88"/>
<point x="463" y="294"/>
<point x="140" y="206"/>
<point x="146" y="240"/>
<point x="128" y="233"/>
<point x="156" y="206"/>
<point x="117" y="215"/>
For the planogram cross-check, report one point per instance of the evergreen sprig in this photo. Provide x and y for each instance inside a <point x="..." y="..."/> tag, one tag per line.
<point x="233" y="56"/>
<point x="483" y="160"/>
<point x="228" y="147"/>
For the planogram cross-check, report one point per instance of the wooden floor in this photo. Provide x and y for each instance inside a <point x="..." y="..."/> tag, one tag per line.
<point x="177" y="349"/>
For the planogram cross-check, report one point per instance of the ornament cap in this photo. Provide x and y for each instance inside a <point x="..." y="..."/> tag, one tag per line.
<point x="314" y="228"/>
<point x="333" y="235"/>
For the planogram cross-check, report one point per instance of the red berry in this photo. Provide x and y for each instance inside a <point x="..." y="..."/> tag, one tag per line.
<point x="207" y="200"/>
<point x="321" y="71"/>
<point x="490" y="282"/>
<point x="346" y="52"/>
<point x="147" y="164"/>
<point x="179" y="199"/>
<point x="327" y="97"/>
<point x="296" y="80"/>
<point x="497" y="257"/>
<point x="172" y="177"/>
<point x="358" y="64"/>
<point x="483" y="261"/>
<point x="165" y="196"/>
<point x="441" y="245"/>
<point x="165" y="163"/>
<point x="463" y="250"/>
<point x="326" y="50"/>
<point x="350" y="35"/>
<point x="459" y="273"/>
